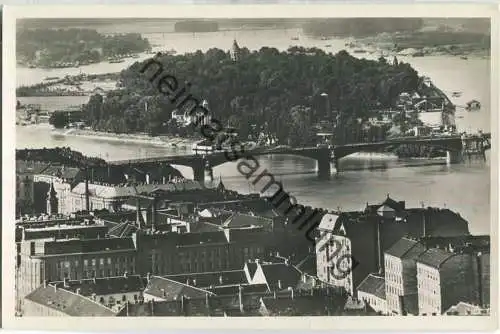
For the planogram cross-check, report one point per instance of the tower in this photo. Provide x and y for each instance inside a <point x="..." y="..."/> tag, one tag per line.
<point x="235" y="51"/>
<point x="52" y="201"/>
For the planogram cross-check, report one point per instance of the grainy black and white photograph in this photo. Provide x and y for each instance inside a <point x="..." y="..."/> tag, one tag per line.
<point x="253" y="167"/>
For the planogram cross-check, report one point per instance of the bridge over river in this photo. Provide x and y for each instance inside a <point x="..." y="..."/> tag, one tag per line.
<point x="455" y="146"/>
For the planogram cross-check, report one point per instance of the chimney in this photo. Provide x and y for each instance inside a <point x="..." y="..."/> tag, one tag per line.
<point x="44" y="283"/>
<point x="94" y="280"/>
<point x="291" y="290"/>
<point x="207" y="301"/>
<point x="221" y="280"/>
<point x="138" y="212"/>
<point x="65" y="282"/>
<point x="55" y="286"/>
<point x="147" y="178"/>
<point x="274" y="294"/>
<point x="279" y="284"/>
<point x="183" y="306"/>
<point x="194" y="282"/>
<point x="148" y="277"/>
<point x="152" y="303"/>
<point x="240" y="298"/>
<point x="480" y="278"/>
<point x="78" y="291"/>
<point x="125" y="274"/>
<point x="126" y="308"/>
<point x="287" y="261"/>
<point x="304" y="278"/>
<point x="153" y="213"/>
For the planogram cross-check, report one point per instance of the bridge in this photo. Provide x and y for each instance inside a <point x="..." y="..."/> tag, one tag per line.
<point x="455" y="146"/>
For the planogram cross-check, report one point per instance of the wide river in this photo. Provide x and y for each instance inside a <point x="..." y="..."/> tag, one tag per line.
<point x="464" y="187"/>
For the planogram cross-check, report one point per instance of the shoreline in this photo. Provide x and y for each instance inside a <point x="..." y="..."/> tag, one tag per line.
<point x="165" y="141"/>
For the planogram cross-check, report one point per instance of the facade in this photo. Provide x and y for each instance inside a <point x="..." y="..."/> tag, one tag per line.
<point x="25" y="185"/>
<point x="401" y="272"/>
<point x="333" y="254"/>
<point x="365" y="235"/>
<point x="57" y="259"/>
<point x="372" y="292"/>
<point x="446" y="277"/>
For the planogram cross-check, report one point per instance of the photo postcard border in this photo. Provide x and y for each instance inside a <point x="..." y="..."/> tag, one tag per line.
<point x="11" y="13"/>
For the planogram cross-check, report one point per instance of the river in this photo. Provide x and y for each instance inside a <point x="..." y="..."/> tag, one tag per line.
<point x="464" y="187"/>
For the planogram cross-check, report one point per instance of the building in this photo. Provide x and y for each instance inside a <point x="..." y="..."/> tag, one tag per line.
<point x="356" y="240"/>
<point x="401" y="273"/>
<point x="447" y="276"/>
<point x="25" y="185"/>
<point x="372" y="291"/>
<point x="113" y="292"/>
<point x="71" y="258"/>
<point x="52" y="185"/>
<point x="404" y="292"/>
<point x="333" y="250"/>
<point x="50" y="300"/>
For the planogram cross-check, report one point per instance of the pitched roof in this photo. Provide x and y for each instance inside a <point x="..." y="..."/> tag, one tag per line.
<point x="189" y="239"/>
<point x="252" y="268"/>
<point x="168" y="289"/>
<point x="328" y="222"/>
<point x="105" y="286"/>
<point x="68" y="302"/>
<point x="275" y="272"/>
<point x="234" y="289"/>
<point x="401" y="247"/>
<point x="87" y="245"/>
<point x="434" y="257"/>
<point x="30" y="167"/>
<point x="216" y="278"/>
<point x="245" y="220"/>
<point x="374" y="285"/>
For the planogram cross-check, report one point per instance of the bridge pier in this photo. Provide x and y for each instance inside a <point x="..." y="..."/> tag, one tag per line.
<point x="199" y="171"/>
<point x="453" y="157"/>
<point x="208" y="171"/>
<point x="323" y="167"/>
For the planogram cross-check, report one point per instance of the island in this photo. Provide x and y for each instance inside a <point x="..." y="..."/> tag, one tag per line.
<point x="296" y="94"/>
<point x="59" y="48"/>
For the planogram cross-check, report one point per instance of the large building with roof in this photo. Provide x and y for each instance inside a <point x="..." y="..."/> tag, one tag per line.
<point x="363" y="237"/>
<point x="372" y="291"/>
<point x="453" y="274"/>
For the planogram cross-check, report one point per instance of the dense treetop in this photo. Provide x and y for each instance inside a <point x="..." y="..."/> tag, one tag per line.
<point x="278" y="93"/>
<point x="69" y="45"/>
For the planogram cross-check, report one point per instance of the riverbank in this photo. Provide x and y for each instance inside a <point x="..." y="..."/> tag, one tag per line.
<point x="167" y="141"/>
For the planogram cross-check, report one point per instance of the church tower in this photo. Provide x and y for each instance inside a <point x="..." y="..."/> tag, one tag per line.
<point x="235" y="51"/>
<point x="52" y="201"/>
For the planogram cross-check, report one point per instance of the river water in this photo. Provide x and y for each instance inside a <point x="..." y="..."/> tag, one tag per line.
<point x="464" y="187"/>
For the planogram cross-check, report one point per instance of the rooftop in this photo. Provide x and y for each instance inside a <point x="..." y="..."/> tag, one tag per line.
<point x="168" y="289"/>
<point x="374" y="285"/>
<point x="68" y="302"/>
<point x="207" y="279"/>
<point x="104" y="286"/>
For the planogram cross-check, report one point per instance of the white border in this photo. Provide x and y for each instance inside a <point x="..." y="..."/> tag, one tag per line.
<point x="11" y="13"/>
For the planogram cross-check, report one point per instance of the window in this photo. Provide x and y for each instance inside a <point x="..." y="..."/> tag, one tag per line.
<point x="76" y="263"/>
<point x="85" y="262"/>
<point x="93" y="262"/>
<point x="101" y="261"/>
<point x="109" y="260"/>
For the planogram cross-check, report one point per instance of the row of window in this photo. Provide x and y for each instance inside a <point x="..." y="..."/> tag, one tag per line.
<point x="95" y="261"/>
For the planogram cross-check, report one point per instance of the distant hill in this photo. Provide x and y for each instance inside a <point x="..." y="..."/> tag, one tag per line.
<point x="360" y="27"/>
<point x="196" y="26"/>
